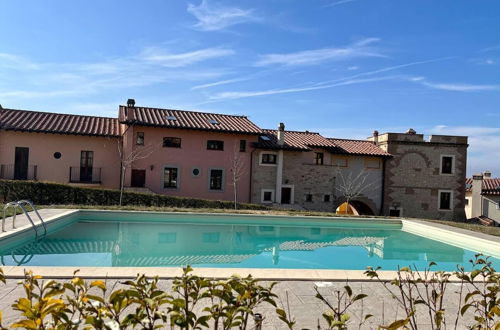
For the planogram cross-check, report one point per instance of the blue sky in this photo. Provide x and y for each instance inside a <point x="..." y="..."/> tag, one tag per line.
<point x="339" y="67"/>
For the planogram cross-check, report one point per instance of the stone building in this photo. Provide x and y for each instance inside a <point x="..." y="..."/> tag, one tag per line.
<point x="424" y="178"/>
<point x="306" y="170"/>
<point x="483" y="199"/>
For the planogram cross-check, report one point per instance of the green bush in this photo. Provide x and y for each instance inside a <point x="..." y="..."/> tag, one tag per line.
<point x="195" y="302"/>
<point x="46" y="193"/>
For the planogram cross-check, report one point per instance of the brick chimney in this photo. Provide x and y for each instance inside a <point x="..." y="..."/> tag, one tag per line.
<point x="130" y="111"/>
<point x="281" y="134"/>
<point x="477" y="188"/>
<point x="375" y="137"/>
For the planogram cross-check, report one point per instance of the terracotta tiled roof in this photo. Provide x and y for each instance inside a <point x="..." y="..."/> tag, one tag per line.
<point x="302" y="141"/>
<point x="358" y="147"/>
<point x="491" y="186"/>
<point x="57" y="123"/>
<point x="187" y="120"/>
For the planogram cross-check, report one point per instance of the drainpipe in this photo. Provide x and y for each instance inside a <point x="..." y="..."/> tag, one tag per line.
<point x="383" y="187"/>
<point x="250" y="186"/>
<point x="279" y="165"/>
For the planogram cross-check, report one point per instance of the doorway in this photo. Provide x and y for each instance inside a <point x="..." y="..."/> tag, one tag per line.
<point x="86" y="166"/>
<point x="138" y="178"/>
<point x="287" y="195"/>
<point x="21" y="163"/>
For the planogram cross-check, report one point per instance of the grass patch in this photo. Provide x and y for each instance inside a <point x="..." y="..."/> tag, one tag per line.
<point x="495" y="231"/>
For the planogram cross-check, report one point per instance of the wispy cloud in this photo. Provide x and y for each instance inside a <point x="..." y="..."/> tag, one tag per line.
<point x="161" y="57"/>
<point x="12" y="61"/>
<point x="149" y="67"/>
<point x="352" y="79"/>
<point x="339" y="2"/>
<point x="245" y="94"/>
<point x="218" y="83"/>
<point x="362" y="48"/>
<point x="489" y="49"/>
<point x="215" y="17"/>
<point x="457" y="87"/>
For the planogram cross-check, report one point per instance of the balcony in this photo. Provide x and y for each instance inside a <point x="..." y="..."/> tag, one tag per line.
<point x="87" y="175"/>
<point x="9" y="172"/>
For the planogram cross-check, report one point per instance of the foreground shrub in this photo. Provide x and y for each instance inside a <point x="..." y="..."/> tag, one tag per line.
<point x="196" y="302"/>
<point x="45" y="193"/>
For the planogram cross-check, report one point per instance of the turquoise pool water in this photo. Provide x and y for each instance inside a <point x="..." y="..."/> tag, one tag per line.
<point x="220" y="241"/>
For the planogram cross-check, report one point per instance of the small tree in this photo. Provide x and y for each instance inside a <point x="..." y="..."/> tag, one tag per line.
<point x="238" y="170"/>
<point x="128" y="159"/>
<point x="353" y="186"/>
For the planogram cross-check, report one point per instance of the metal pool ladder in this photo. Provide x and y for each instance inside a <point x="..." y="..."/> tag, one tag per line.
<point x="21" y="204"/>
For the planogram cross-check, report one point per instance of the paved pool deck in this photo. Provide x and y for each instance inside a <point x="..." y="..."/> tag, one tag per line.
<point x="305" y="308"/>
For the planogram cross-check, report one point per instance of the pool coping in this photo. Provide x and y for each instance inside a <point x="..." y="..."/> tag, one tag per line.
<point x="447" y="234"/>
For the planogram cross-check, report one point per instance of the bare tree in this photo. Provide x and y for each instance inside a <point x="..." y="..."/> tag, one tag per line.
<point x="353" y="186"/>
<point x="128" y="159"/>
<point x="238" y="170"/>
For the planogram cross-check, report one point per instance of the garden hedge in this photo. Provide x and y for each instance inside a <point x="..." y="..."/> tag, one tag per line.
<point x="47" y="193"/>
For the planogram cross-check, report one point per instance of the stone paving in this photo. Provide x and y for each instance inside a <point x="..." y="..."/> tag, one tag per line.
<point x="22" y="220"/>
<point x="304" y="306"/>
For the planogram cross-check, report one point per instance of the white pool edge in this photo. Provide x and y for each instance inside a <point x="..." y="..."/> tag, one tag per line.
<point x="460" y="238"/>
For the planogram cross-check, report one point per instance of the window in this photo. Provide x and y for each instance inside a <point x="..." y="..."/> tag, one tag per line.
<point x="215" y="145"/>
<point x="57" y="155"/>
<point x="213" y="121"/>
<point x="319" y="158"/>
<point x="139" y="139"/>
<point x="196" y="171"/>
<point x="466" y="201"/>
<point x="172" y="142"/>
<point x="447" y="164"/>
<point x="326" y="198"/>
<point x="267" y="196"/>
<point x="268" y="159"/>
<point x="309" y="197"/>
<point x="340" y="161"/>
<point x="170" y="177"/>
<point x="498" y="205"/>
<point x="216" y="179"/>
<point x="372" y="163"/>
<point x="395" y="212"/>
<point x="243" y="145"/>
<point x="445" y="197"/>
<point x="171" y="118"/>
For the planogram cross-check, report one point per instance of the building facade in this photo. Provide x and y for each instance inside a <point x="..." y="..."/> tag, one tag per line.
<point x="424" y="178"/>
<point x="308" y="171"/>
<point x="216" y="156"/>
<point x="483" y="199"/>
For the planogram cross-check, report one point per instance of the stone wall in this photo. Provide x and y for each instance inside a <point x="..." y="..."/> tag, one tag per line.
<point x="413" y="179"/>
<point x="307" y="178"/>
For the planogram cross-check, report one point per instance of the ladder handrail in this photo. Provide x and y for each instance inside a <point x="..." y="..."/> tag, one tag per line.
<point x="5" y="208"/>
<point x="21" y="205"/>
<point x="25" y="201"/>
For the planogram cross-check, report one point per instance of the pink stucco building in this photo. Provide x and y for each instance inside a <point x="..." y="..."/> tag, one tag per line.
<point x="202" y="155"/>
<point x="173" y="152"/>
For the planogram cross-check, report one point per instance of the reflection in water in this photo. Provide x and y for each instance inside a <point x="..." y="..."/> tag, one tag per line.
<point x="223" y="245"/>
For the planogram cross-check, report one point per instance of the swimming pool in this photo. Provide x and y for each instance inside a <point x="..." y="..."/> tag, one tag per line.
<point x="140" y="239"/>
